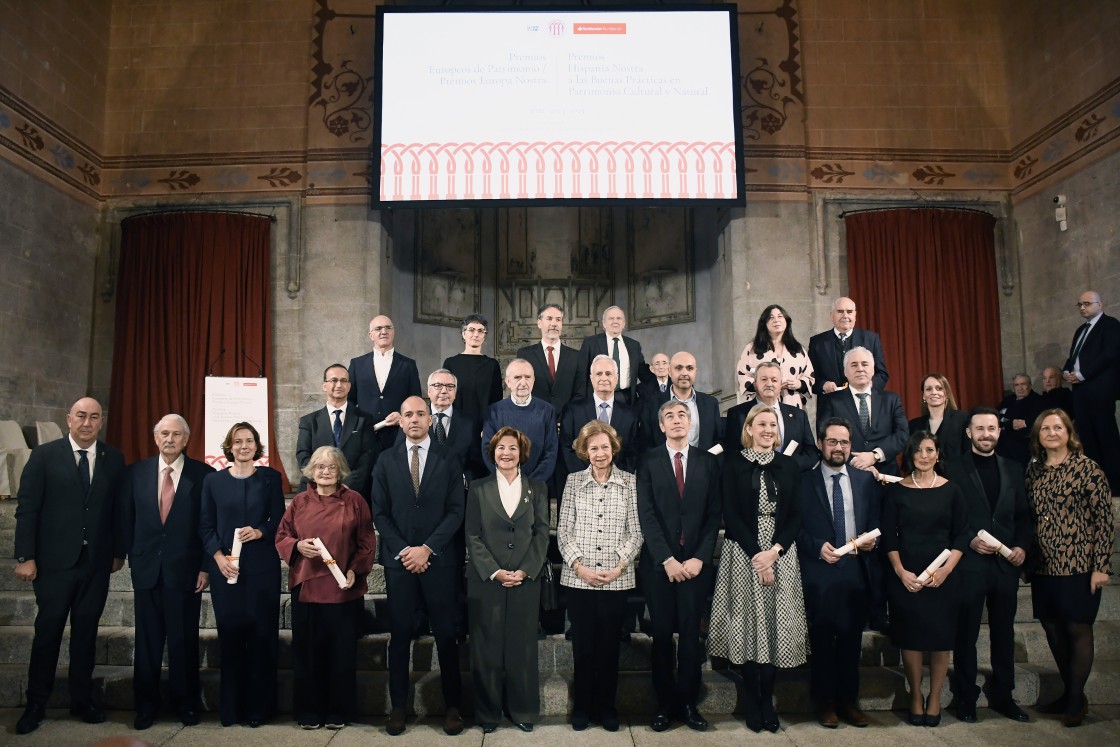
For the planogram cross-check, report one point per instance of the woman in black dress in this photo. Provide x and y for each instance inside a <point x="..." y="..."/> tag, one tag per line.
<point x="923" y="515"/>
<point x="248" y="501"/>
<point x="941" y="417"/>
<point x="479" y="377"/>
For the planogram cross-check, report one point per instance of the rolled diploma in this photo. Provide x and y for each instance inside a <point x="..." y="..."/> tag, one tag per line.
<point x="717" y="449"/>
<point x="383" y="424"/>
<point x="889" y="478"/>
<point x="937" y="563"/>
<point x="339" y="576"/>
<point x="845" y="549"/>
<point x="235" y="555"/>
<point x="988" y="539"/>
<point x="790" y="448"/>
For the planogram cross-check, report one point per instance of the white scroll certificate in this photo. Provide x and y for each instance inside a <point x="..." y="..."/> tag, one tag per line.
<point x="790" y="447"/>
<point x="717" y="449"/>
<point x="235" y="555"/>
<point x="383" y="424"/>
<point x="934" y="566"/>
<point x="339" y="576"/>
<point x="988" y="539"/>
<point x="845" y="549"/>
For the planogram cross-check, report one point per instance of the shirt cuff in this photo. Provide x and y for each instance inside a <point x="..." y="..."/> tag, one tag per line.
<point x="879" y="455"/>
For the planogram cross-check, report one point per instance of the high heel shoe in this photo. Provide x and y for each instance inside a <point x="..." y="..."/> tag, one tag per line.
<point x="931" y="719"/>
<point x="917" y="719"/>
<point x="1075" y="719"/>
<point x="770" y="720"/>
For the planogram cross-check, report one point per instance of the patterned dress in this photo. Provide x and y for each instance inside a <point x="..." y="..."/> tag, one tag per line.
<point x="794" y="366"/>
<point x="752" y="622"/>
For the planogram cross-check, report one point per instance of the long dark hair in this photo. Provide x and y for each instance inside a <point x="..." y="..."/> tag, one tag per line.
<point x="762" y="335"/>
<point x="912" y="448"/>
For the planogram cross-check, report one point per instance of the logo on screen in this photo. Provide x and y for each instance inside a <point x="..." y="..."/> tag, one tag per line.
<point x="556" y="28"/>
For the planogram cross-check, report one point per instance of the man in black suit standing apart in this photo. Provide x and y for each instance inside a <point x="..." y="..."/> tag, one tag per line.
<point x="705" y="425"/>
<point x="162" y="496"/>
<point x="880" y="428"/>
<point x="381" y="380"/>
<point x="827" y="349"/>
<point x="557" y="377"/>
<point x="656" y="387"/>
<point x="679" y="512"/>
<point x="625" y="351"/>
<point x="995" y="499"/>
<point x="601" y="405"/>
<point x="70" y="536"/>
<point x="1093" y="370"/>
<point x="343" y="425"/>
<point x="793" y="423"/>
<point x="837" y="504"/>
<point x="418" y="506"/>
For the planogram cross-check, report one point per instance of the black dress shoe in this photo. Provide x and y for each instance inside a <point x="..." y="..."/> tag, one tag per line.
<point x="1010" y="710"/>
<point x="396" y="722"/>
<point x="610" y="721"/>
<point x="580" y="721"/>
<point x="693" y="720"/>
<point x="255" y="723"/>
<point x="770" y="718"/>
<point x="916" y="719"/>
<point x="660" y="721"/>
<point x="88" y="712"/>
<point x="143" y="720"/>
<point x="489" y="728"/>
<point x="525" y="727"/>
<point x="32" y="716"/>
<point x="966" y="712"/>
<point x="452" y="722"/>
<point x="189" y="717"/>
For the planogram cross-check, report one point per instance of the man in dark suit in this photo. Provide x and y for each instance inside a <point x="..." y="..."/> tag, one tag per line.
<point x="340" y="424"/>
<point x="625" y="351"/>
<point x="601" y="405"/>
<point x="418" y="506"/>
<point x="70" y="536"/>
<point x="1093" y="371"/>
<point x="837" y="504"/>
<point x="827" y="349"/>
<point x="705" y="424"/>
<point x="1053" y="393"/>
<point x="556" y="371"/>
<point x="995" y="499"/>
<point x="793" y="423"/>
<point x="656" y="387"/>
<point x="381" y="380"/>
<point x="1017" y="413"/>
<point x="162" y="497"/>
<point x="679" y="512"/>
<point x="880" y="430"/>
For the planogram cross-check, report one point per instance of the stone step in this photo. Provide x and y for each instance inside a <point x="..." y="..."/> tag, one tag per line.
<point x="881" y="689"/>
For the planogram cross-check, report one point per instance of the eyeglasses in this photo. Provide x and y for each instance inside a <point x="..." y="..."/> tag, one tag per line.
<point x="383" y="328"/>
<point x="475" y="330"/>
<point x="448" y="387"/>
<point x="326" y="468"/>
<point x="833" y="443"/>
<point x="1087" y="303"/>
<point x="332" y="382"/>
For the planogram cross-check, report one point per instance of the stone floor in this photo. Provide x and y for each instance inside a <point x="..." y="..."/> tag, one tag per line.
<point x="1102" y="727"/>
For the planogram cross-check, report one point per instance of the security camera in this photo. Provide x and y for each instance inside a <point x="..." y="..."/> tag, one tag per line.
<point x="1060" y="200"/>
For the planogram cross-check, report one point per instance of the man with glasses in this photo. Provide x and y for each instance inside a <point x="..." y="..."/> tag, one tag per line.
<point x="340" y="424"/>
<point x="838" y="503"/>
<point x="382" y="379"/>
<point x="1093" y="370"/>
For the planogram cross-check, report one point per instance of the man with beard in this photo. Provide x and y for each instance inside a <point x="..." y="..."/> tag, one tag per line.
<point x="995" y="499"/>
<point x="838" y="503"/>
<point x="705" y="428"/>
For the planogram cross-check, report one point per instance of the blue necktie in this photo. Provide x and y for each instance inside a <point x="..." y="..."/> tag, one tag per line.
<point x="604" y="412"/>
<point x="838" y="512"/>
<point x="337" y="427"/>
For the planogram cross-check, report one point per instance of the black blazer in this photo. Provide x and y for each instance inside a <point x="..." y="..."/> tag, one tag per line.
<point x="795" y="427"/>
<point x="402" y="382"/>
<point x="464" y="441"/>
<point x="951" y="436"/>
<point x="359" y="444"/>
<point x="711" y="424"/>
<point x="650" y="391"/>
<point x="168" y="555"/>
<point x="817" y="528"/>
<point x="571" y="381"/>
<point x="55" y="513"/>
<point x="404" y="519"/>
<point x="594" y="345"/>
<point x="497" y="541"/>
<point x="1010" y="522"/>
<point x="229" y="503"/>
<point x="889" y="429"/>
<point x="580" y="412"/>
<point x="1100" y="360"/>
<point x="826" y="362"/>
<point x="740" y="501"/>
<point x="663" y="513"/>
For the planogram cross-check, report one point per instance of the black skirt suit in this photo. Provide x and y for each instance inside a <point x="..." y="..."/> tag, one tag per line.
<point x="248" y="612"/>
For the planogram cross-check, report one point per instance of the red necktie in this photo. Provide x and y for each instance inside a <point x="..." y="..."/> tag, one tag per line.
<point x="551" y="364"/>
<point x="166" y="495"/>
<point x="678" y="468"/>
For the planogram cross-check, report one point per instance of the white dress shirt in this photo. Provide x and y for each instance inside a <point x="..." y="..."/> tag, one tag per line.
<point x="382" y="362"/>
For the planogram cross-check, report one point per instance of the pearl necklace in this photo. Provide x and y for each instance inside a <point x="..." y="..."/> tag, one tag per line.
<point x="914" y="479"/>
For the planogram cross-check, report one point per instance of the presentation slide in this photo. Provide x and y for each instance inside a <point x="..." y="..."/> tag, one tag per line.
<point x="528" y="105"/>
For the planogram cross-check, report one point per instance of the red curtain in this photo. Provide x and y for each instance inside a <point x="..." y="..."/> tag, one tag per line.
<point x="925" y="280"/>
<point x="193" y="298"/>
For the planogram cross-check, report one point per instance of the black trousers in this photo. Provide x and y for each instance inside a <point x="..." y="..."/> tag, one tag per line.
<point x="324" y="659"/>
<point x="436" y="587"/>
<point x="675" y="608"/>
<point x="838" y="610"/>
<point x="171" y="616"/>
<point x="596" y="617"/>
<point x="77" y="594"/>
<point x="998" y="590"/>
<point x="1095" y="413"/>
<point x="248" y="615"/>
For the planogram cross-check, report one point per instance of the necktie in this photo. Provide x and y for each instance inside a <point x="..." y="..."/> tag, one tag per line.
<point x="617" y="361"/>
<point x="841" y="348"/>
<point x="781" y="425"/>
<point x="1084" y="332"/>
<point x="337" y="427"/>
<point x="664" y="385"/>
<point x="864" y="414"/>
<point x="166" y="495"/>
<point x="551" y="364"/>
<point x="83" y="469"/>
<point x="678" y="469"/>
<point x="441" y="432"/>
<point x="604" y="412"/>
<point x="838" y="512"/>
<point x="416" y="470"/>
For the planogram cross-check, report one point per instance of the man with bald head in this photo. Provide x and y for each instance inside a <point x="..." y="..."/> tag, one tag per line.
<point x="827" y="349"/>
<point x="529" y="414"/>
<point x="381" y="379"/>
<point x="418" y="506"/>
<point x="625" y="351"/>
<point x="1053" y="393"/>
<point x="656" y="387"/>
<point x="705" y="425"/>
<point x="70" y="537"/>
<point x="1093" y="371"/>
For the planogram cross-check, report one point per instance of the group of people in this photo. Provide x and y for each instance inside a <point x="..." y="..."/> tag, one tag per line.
<point x="823" y="537"/>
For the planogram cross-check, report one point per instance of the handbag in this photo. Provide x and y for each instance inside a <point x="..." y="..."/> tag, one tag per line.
<point x="550" y="588"/>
